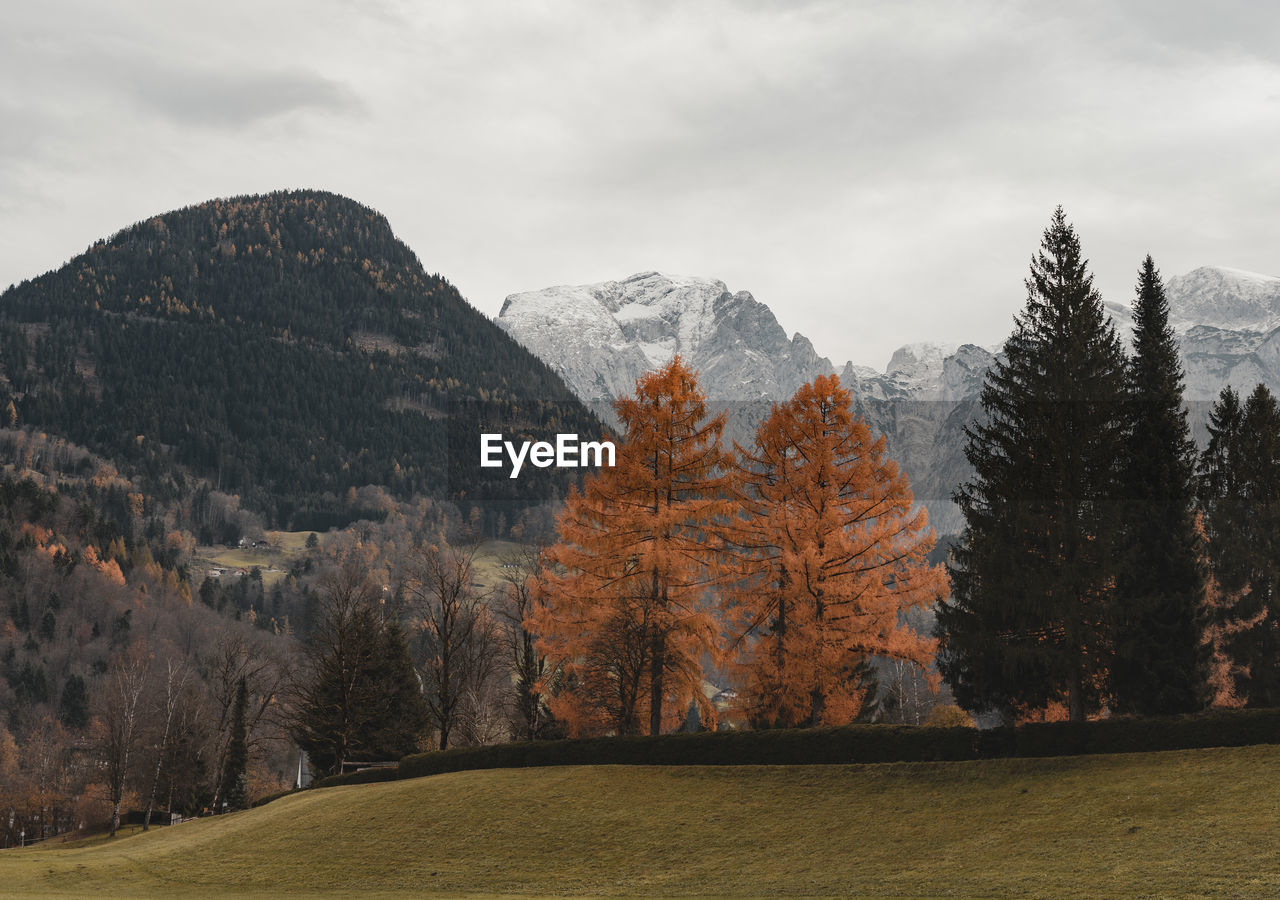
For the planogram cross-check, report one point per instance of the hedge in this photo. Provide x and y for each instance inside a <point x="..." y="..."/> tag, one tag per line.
<point x="364" y="776"/>
<point x="808" y="746"/>
<point x="1214" y="728"/>
<point x="851" y="744"/>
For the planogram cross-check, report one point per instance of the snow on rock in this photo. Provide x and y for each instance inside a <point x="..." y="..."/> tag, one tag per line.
<point x="1228" y="299"/>
<point x="601" y="337"/>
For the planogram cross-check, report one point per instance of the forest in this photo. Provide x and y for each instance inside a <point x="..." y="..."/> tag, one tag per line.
<point x="285" y="348"/>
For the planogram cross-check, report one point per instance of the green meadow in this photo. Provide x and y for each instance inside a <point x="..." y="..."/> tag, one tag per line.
<point x="1184" y="823"/>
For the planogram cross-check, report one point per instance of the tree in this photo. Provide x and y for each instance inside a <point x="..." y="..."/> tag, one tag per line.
<point x="353" y="687"/>
<point x="73" y="706"/>
<point x="1240" y="493"/>
<point x="626" y="612"/>
<point x="1221" y="493"/>
<point x="176" y="674"/>
<point x="828" y="556"/>
<point x="1034" y="569"/>
<point x="1159" y="662"/>
<point x="235" y="769"/>
<point x="531" y="670"/>
<point x="460" y="633"/>
<point x="119" y="721"/>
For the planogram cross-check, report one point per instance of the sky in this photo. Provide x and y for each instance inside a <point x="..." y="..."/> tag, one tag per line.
<point x="876" y="173"/>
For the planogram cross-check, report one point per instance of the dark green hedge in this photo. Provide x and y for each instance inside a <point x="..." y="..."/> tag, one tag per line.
<point x="365" y="776"/>
<point x="852" y="744"/>
<point x="1215" y="728"/>
<point x="849" y="744"/>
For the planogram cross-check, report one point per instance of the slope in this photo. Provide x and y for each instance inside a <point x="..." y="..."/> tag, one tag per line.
<point x="1163" y="824"/>
<point x="286" y="346"/>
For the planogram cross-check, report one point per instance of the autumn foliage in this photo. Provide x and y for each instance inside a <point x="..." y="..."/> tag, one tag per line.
<point x="827" y="554"/>
<point x="793" y="565"/>
<point x="626" y="609"/>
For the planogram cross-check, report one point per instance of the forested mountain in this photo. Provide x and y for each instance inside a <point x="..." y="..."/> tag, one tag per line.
<point x="287" y="347"/>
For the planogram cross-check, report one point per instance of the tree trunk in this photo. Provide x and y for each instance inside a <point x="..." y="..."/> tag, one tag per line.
<point x="1075" y="697"/>
<point x="659" y="665"/>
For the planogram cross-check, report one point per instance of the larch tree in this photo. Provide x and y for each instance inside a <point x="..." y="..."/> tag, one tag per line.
<point x="626" y="611"/>
<point x="826" y="555"/>
<point x="1159" y="664"/>
<point x="1035" y="567"/>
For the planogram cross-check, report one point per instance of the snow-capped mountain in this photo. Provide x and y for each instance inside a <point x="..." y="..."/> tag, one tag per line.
<point x="601" y="337"/>
<point x="1224" y="299"/>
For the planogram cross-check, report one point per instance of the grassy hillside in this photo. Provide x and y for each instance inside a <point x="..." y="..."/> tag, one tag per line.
<point x="1196" y="822"/>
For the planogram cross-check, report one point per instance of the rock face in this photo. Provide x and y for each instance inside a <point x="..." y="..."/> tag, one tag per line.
<point x="601" y="337"/>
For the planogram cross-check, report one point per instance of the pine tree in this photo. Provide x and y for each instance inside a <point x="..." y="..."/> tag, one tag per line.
<point x="1255" y="646"/>
<point x="1033" y="571"/>
<point x="358" y="697"/>
<point x="73" y="706"/>
<point x="1159" y="663"/>
<point x="235" y="769"/>
<point x="402" y="710"/>
<point x="1221" y="493"/>
<point x="627" y="617"/>
<point x="828" y="555"/>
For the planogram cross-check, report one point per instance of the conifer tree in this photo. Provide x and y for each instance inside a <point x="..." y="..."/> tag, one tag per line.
<point x="1033" y="571"/>
<point x="1159" y="661"/>
<point x="235" y="770"/>
<point x="1221" y="493"/>
<point x="627" y="614"/>
<point x="1252" y="565"/>
<point x="827" y="554"/>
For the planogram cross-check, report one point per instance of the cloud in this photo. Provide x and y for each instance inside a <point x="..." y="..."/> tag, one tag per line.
<point x="212" y="98"/>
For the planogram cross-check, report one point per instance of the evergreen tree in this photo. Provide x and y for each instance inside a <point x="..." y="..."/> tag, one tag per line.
<point x="73" y="707"/>
<point x="401" y="715"/>
<point x="1255" y="643"/>
<point x="235" y="771"/>
<point x="1221" y="493"/>
<point x="358" y="698"/>
<point x="1033" y="571"/>
<point x="1159" y="660"/>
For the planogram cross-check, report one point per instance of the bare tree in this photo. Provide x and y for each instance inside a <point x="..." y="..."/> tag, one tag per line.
<point x="119" y="721"/>
<point x="265" y="673"/>
<point x="530" y="669"/>
<point x="460" y="632"/>
<point x="176" y="674"/>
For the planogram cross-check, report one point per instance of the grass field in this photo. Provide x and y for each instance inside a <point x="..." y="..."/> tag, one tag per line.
<point x="1187" y="823"/>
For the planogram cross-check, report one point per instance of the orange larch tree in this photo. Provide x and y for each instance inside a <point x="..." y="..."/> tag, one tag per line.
<point x="824" y="558"/>
<point x="627" y="610"/>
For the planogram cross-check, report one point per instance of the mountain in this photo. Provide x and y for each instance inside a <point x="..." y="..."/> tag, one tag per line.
<point x="287" y="347"/>
<point x="601" y="337"/>
<point x="1224" y="299"/>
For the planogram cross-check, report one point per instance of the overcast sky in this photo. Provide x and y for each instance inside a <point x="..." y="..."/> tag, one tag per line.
<point x="876" y="173"/>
